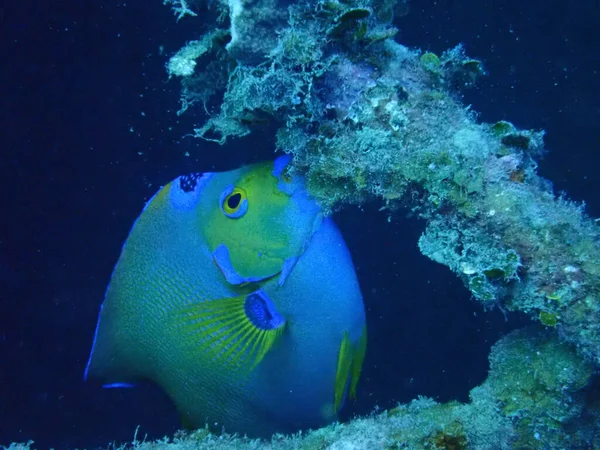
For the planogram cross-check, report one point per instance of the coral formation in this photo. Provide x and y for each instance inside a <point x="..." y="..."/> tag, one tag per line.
<point x="369" y="119"/>
<point x="533" y="398"/>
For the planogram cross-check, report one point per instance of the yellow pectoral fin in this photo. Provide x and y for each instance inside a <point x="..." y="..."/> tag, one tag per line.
<point x="344" y="364"/>
<point x="349" y="364"/>
<point x="357" y="362"/>
<point x="235" y="333"/>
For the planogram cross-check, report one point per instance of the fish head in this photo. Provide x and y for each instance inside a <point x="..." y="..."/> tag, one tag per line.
<point x="258" y="221"/>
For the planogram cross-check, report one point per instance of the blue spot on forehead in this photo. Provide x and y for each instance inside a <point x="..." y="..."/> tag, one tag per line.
<point x="188" y="188"/>
<point x="187" y="183"/>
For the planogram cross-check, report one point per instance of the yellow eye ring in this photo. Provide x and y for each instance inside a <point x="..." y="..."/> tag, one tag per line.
<point x="234" y="202"/>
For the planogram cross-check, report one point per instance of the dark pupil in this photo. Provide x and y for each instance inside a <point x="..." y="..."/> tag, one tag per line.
<point x="234" y="201"/>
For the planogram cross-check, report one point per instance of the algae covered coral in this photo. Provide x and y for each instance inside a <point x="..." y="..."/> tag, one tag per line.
<point x="532" y="399"/>
<point x="369" y="119"/>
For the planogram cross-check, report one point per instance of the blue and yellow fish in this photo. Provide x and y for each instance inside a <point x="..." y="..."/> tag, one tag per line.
<point x="236" y="296"/>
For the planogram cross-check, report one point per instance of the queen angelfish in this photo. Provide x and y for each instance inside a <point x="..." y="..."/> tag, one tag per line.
<point x="239" y="298"/>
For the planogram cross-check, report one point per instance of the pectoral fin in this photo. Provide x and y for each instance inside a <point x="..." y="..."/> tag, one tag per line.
<point x="358" y="358"/>
<point x="235" y="333"/>
<point x="349" y="367"/>
<point x="344" y="363"/>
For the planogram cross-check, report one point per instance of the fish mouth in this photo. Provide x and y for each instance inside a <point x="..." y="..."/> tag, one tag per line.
<point x="223" y="262"/>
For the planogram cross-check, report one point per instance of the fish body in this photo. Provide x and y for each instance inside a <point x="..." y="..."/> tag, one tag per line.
<point x="240" y="300"/>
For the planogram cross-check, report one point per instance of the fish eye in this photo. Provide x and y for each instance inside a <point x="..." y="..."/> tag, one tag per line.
<point x="233" y="202"/>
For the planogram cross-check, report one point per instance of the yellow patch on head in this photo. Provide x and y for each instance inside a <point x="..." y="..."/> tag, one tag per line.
<point x="253" y="223"/>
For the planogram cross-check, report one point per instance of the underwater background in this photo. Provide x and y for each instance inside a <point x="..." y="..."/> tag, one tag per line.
<point x="90" y="131"/>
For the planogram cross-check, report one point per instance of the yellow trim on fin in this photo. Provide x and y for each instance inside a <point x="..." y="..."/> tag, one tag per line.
<point x="349" y="364"/>
<point x="357" y="361"/>
<point x="221" y="330"/>
<point x="344" y="364"/>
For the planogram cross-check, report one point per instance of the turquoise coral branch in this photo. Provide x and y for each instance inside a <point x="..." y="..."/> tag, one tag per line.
<point x="180" y="8"/>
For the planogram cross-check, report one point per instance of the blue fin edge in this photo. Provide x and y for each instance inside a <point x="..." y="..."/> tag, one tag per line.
<point x="288" y="265"/>
<point x="117" y="385"/>
<point x="89" y="361"/>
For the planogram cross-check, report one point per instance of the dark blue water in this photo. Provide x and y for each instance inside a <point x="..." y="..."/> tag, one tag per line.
<point x="89" y="132"/>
